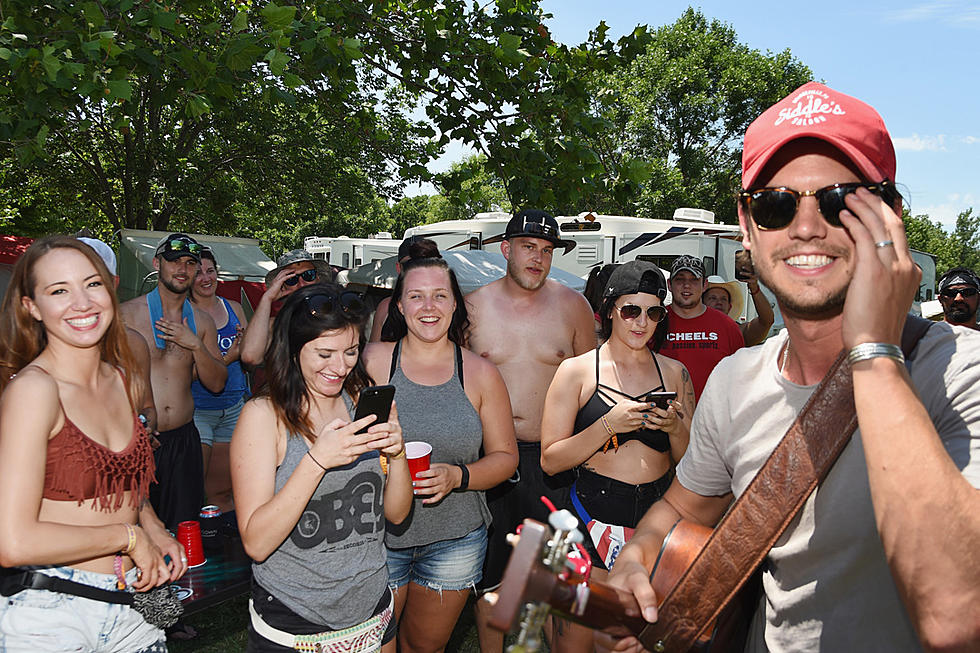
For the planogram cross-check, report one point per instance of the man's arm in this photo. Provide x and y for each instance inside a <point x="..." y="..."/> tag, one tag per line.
<point x="583" y="324"/>
<point x="756" y="330"/>
<point x="211" y="369"/>
<point x="926" y="511"/>
<point x="256" y="337"/>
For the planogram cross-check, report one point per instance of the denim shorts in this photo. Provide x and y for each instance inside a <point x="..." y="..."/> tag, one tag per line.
<point x="217" y="425"/>
<point x="445" y="565"/>
<point x="42" y="620"/>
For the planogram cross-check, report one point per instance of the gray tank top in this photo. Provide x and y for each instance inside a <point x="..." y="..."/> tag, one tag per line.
<point x="443" y="416"/>
<point x="331" y="569"/>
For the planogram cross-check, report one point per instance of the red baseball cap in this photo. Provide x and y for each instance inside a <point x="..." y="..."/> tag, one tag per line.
<point x="817" y="111"/>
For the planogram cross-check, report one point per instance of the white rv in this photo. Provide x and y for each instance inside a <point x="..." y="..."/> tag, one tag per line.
<point x="347" y="252"/>
<point x="602" y="239"/>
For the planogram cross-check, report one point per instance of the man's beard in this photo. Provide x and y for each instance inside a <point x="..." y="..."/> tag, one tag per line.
<point x="791" y="303"/>
<point x="515" y="273"/>
<point x="170" y="285"/>
<point x="960" y="314"/>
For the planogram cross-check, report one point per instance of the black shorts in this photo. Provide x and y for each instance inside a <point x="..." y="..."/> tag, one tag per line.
<point x="515" y="500"/>
<point x="614" y="502"/>
<point x="277" y="615"/>
<point x="179" y="491"/>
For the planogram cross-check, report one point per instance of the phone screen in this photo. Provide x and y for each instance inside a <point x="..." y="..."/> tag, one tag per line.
<point x="660" y="399"/>
<point x="375" y="400"/>
<point x="743" y="265"/>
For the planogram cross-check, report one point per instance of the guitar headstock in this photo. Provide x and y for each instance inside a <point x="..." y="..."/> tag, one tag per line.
<point x="539" y="562"/>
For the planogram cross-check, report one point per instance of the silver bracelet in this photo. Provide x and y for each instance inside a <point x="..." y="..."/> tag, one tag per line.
<point x="867" y="350"/>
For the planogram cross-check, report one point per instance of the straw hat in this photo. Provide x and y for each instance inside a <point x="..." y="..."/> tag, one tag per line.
<point x="735" y="292"/>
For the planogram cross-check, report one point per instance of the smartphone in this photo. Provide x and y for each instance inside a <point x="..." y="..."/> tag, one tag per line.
<point x="660" y="399"/>
<point x="744" y="269"/>
<point x="375" y="400"/>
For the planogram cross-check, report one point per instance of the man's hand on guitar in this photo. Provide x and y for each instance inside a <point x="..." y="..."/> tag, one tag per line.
<point x="632" y="577"/>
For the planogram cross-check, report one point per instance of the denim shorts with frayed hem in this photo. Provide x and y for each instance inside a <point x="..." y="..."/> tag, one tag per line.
<point x="42" y="620"/>
<point x="455" y="564"/>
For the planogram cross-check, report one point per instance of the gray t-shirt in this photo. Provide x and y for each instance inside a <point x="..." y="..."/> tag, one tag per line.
<point x="827" y="583"/>
<point x="331" y="569"/>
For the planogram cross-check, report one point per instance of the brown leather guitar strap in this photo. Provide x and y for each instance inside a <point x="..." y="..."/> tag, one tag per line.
<point x="762" y="513"/>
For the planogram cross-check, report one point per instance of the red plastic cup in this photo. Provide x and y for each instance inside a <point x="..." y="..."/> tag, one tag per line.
<point x="418" y="457"/>
<point x="189" y="535"/>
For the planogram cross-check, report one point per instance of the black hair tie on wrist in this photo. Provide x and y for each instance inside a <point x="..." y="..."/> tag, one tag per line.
<point x="464" y="482"/>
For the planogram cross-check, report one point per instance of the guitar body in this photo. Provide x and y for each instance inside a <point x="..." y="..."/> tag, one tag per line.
<point x="681" y="546"/>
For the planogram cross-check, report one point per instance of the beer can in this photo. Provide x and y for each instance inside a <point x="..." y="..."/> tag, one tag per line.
<point x="210" y="522"/>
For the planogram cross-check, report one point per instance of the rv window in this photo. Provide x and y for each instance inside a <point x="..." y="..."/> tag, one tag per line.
<point x="709" y="265"/>
<point x="474" y="242"/>
<point x="662" y="262"/>
<point x="357" y="261"/>
<point x="346" y="260"/>
<point x="581" y="226"/>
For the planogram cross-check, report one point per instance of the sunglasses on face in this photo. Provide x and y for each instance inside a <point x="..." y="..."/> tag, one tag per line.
<point x="632" y="311"/>
<point x="951" y="293"/>
<point x="775" y="208"/>
<point x="182" y="245"/>
<point x="309" y="276"/>
<point x="322" y="304"/>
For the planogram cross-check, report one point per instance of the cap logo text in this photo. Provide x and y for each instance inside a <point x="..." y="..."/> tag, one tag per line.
<point x="811" y="108"/>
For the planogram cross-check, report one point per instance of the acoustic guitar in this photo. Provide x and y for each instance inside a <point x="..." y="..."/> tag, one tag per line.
<point x="539" y="579"/>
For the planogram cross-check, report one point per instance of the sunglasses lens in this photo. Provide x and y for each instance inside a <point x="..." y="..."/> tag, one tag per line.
<point x="321" y="304"/>
<point x="832" y="202"/>
<point x="772" y="209"/>
<point x="308" y="275"/>
<point x="630" y="311"/>
<point x="951" y="293"/>
<point x="656" y="313"/>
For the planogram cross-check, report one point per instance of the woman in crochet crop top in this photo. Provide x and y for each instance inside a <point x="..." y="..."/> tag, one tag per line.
<point x="75" y="462"/>
<point x="596" y="420"/>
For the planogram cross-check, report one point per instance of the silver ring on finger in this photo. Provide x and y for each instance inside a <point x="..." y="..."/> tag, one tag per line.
<point x="884" y="243"/>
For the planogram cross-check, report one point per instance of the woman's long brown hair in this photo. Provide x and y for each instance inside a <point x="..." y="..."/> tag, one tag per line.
<point x="22" y="338"/>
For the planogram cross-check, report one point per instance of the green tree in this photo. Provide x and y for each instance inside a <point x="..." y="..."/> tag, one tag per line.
<point x="149" y="111"/>
<point x="679" y="111"/>
<point x="959" y="248"/>
<point x="470" y="187"/>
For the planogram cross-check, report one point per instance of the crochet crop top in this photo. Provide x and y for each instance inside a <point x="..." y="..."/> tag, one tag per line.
<point x="79" y="468"/>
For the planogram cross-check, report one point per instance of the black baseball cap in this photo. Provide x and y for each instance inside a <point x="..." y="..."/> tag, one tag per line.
<point x="174" y="246"/>
<point x="635" y="277"/>
<point x="534" y="223"/>
<point x="690" y="263"/>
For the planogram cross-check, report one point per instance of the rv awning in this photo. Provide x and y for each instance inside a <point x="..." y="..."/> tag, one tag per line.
<point x="238" y="259"/>
<point x="474" y="268"/>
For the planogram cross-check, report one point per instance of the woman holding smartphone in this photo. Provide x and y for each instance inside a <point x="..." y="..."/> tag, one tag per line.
<point x="75" y="462"/>
<point x="455" y="401"/>
<point x="598" y="420"/>
<point x="310" y="495"/>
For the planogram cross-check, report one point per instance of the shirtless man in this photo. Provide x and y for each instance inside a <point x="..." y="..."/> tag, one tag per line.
<point x="183" y="342"/>
<point x="526" y="325"/>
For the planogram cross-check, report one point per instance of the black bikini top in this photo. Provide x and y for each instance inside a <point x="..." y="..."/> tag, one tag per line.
<point x="595" y="408"/>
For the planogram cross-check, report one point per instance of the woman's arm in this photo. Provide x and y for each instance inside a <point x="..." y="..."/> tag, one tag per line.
<point x="266" y="517"/>
<point x="234" y="352"/>
<point x="380" y="315"/>
<point x="676" y="419"/>
<point x="29" y="414"/>
<point x="756" y="330"/>
<point x="560" y="448"/>
<point x="398" y="486"/>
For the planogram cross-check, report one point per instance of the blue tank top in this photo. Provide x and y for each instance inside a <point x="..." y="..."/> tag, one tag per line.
<point x="236" y="387"/>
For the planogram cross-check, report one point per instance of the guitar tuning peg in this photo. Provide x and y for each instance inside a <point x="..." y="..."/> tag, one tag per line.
<point x="562" y="520"/>
<point x="491" y="598"/>
<point x="513" y="539"/>
<point x="575" y="536"/>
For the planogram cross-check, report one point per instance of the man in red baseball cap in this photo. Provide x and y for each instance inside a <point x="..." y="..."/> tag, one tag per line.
<point x="882" y="555"/>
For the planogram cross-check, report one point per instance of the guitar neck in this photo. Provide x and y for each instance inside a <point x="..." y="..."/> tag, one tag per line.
<point x="591" y="604"/>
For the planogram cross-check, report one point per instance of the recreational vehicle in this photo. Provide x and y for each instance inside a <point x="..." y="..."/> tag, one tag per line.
<point x="347" y="252"/>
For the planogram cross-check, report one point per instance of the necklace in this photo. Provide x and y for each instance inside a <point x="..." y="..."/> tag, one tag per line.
<point x="782" y="366"/>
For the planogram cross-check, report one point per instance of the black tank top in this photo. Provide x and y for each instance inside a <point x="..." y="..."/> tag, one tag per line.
<point x="595" y="408"/>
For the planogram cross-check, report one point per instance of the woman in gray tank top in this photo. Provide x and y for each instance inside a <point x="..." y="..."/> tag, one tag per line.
<point x="455" y="401"/>
<point x="309" y="490"/>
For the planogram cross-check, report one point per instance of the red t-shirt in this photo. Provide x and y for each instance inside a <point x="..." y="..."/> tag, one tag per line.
<point x="700" y="342"/>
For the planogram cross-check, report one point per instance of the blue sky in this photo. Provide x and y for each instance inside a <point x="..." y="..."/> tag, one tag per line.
<point x="917" y="63"/>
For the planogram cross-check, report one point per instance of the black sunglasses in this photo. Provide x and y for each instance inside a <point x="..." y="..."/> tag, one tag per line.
<point x="309" y="276"/>
<point x="775" y="208"/>
<point x="632" y="311"/>
<point x="321" y="304"/>
<point x="182" y="245"/>
<point x="951" y="293"/>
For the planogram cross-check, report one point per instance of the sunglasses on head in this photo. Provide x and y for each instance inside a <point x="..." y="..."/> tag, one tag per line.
<point x="775" y="208"/>
<point x="309" y="276"/>
<point x="322" y="304"/>
<point x="182" y="245"/>
<point x="632" y="311"/>
<point x="951" y="293"/>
